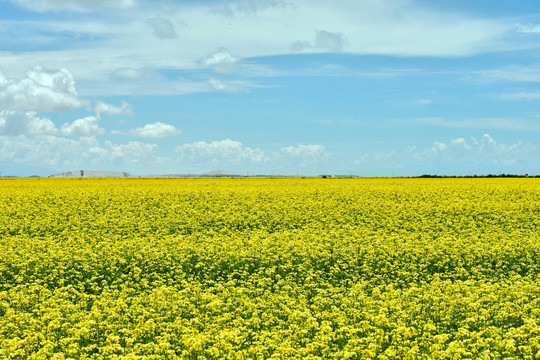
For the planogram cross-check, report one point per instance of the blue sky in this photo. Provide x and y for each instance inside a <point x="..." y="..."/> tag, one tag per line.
<point x="362" y="87"/>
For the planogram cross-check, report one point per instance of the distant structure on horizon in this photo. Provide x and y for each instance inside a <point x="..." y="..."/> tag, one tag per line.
<point x="90" y="173"/>
<point x="224" y="173"/>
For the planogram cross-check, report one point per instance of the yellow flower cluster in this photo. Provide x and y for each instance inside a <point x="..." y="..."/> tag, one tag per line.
<point x="281" y="268"/>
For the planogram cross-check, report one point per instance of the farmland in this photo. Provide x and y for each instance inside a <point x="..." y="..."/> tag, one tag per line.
<point x="206" y="268"/>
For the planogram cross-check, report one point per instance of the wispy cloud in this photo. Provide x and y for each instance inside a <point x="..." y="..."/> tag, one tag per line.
<point x="75" y="5"/>
<point x="522" y="95"/>
<point x="395" y="28"/>
<point x="482" y="123"/>
<point x="512" y="73"/>
<point x="222" y="61"/>
<point x="528" y="28"/>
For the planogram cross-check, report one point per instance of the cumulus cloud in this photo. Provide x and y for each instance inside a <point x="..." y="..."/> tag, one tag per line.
<point x="155" y="130"/>
<point x="132" y="152"/>
<point x="3" y="80"/>
<point x="88" y="126"/>
<point x="307" y="152"/>
<point x="75" y="5"/>
<point x="481" y="156"/>
<point x="486" y="145"/>
<point x="42" y="150"/>
<point x="40" y="90"/>
<point x="324" y="41"/>
<point x="438" y="147"/>
<point x="25" y="122"/>
<point x="162" y="28"/>
<point x="460" y="143"/>
<point x="478" y="152"/>
<point x="55" y="151"/>
<point x="222" y="61"/>
<point x="104" y="108"/>
<point x="227" y="151"/>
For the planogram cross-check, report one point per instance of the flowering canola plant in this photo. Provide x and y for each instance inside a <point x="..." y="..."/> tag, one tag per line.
<point x="280" y="268"/>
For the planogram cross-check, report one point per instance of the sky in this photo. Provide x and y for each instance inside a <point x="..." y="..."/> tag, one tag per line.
<point x="291" y="87"/>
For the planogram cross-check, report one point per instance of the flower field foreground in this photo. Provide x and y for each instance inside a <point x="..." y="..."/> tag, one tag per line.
<point x="254" y="268"/>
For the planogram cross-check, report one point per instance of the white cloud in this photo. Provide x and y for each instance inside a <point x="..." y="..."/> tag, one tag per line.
<point x="306" y="153"/>
<point x="132" y="152"/>
<point x="482" y="123"/>
<point x="162" y="28"/>
<point x="385" y="157"/>
<point x="529" y="28"/>
<point x="218" y="85"/>
<point x="104" y="108"/>
<point x="222" y="61"/>
<point x="221" y="86"/>
<point x="460" y="143"/>
<point x="439" y="147"/>
<point x="324" y="41"/>
<point x="74" y="5"/>
<point x="88" y="126"/>
<point x="313" y="152"/>
<point x="480" y="152"/>
<point x="85" y="152"/>
<point x="260" y="28"/>
<point x="479" y="156"/>
<point x="58" y="80"/>
<point x="127" y="73"/>
<point x="246" y="7"/>
<point x="40" y="90"/>
<point x="20" y="122"/>
<point x="41" y="150"/>
<point x="3" y="80"/>
<point x="361" y="160"/>
<point x="223" y="151"/>
<point x="155" y="130"/>
<point x="514" y="73"/>
<point x="488" y="142"/>
<point x="534" y="95"/>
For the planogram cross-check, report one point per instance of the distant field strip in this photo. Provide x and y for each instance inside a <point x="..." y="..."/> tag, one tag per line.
<point x="254" y="268"/>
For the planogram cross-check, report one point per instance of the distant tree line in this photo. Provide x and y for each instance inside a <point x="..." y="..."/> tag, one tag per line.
<point x="479" y="176"/>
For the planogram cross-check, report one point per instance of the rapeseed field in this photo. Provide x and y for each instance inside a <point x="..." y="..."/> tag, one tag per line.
<point x="281" y="268"/>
